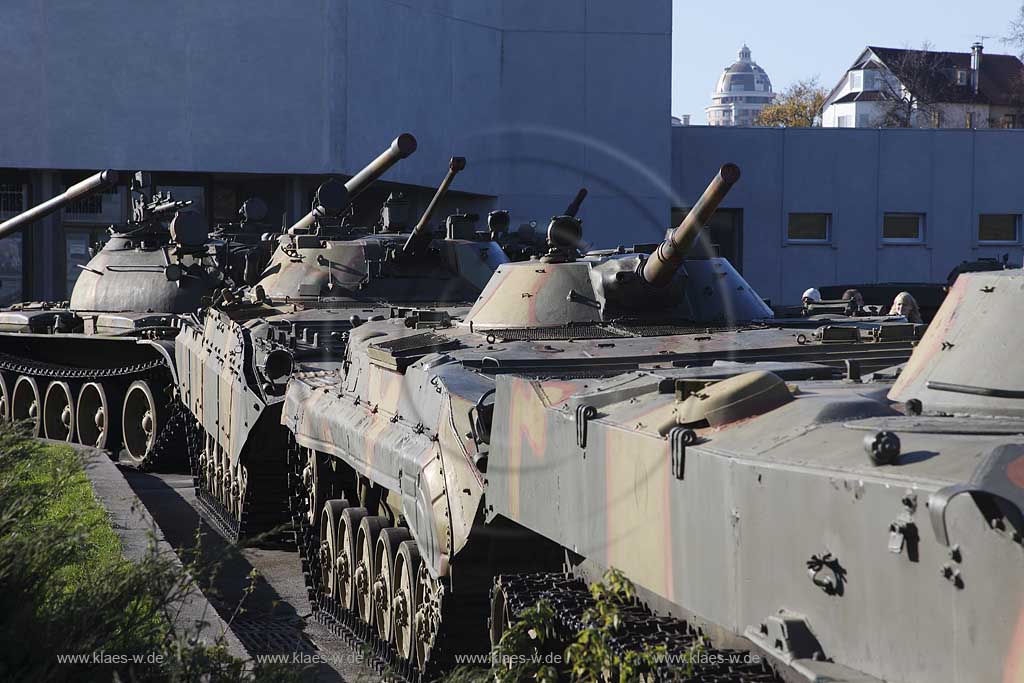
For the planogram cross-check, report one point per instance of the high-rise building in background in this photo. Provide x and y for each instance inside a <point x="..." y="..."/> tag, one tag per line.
<point x="743" y="90"/>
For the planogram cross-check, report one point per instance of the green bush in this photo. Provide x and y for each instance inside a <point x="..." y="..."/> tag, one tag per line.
<point x="524" y="652"/>
<point x="66" y="589"/>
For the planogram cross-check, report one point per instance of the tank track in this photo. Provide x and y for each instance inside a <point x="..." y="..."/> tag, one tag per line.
<point x="570" y="598"/>
<point x="464" y="615"/>
<point x="264" y="497"/>
<point x="461" y="621"/>
<point x="166" y="451"/>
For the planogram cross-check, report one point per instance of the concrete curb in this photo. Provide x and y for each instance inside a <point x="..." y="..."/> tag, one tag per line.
<point x="139" y="532"/>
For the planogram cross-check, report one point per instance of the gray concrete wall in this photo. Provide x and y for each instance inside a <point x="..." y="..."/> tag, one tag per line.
<point x="540" y="96"/>
<point x="856" y="175"/>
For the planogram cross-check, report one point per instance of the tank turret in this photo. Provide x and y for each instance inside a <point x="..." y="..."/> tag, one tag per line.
<point x="325" y="258"/>
<point x="562" y="288"/>
<point x="160" y="260"/>
<point x="91" y="185"/>
<point x="965" y="363"/>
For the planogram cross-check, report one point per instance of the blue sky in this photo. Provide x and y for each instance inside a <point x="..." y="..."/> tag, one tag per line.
<point x="795" y="39"/>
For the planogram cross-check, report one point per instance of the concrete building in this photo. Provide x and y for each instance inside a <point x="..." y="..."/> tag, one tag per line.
<point x="224" y="100"/>
<point x="829" y="206"/>
<point x="928" y="89"/>
<point x="742" y="91"/>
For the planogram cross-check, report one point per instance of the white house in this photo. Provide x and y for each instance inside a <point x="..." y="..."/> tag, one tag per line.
<point x="894" y="87"/>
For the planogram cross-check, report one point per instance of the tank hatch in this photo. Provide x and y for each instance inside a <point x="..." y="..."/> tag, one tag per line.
<point x="737" y="398"/>
<point x="968" y="360"/>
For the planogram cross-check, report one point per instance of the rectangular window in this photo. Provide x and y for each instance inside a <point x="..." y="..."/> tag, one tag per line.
<point x="846" y="121"/>
<point x="856" y="80"/>
<point x="903" y="228"/>
<point x="809" y="227"/>
<point x="961" y="77"/>
<point x="999" y="228"/>
<point x="970" y="119"/>
<point x="12" y="199"/>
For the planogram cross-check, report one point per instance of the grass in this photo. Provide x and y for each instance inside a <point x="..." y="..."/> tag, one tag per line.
<point x="65" y="587"/>
<point x="72" y="506"/>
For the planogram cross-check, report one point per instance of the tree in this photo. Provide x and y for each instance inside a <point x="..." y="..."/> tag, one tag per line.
<point x="797" y="107"/>
<point x="1016" y="34"/>
<point x="916" y="83"/>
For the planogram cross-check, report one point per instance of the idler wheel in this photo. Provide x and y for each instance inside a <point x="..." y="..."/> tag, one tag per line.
<point x="427" y="622"/>
<point x="59" y="412"/>
<point x="5" y="399"/>
<point x="365" y="573"/>
<point x="403" y="604"/>
<point x="383" y="589"/>
<point x="25" y="403"/>
<point x="330" y="524"/>
<point x="346" y="562"/>
<point x="141" y="420"/>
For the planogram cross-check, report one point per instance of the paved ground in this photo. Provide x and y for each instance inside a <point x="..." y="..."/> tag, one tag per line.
<point x="270" y="614"/>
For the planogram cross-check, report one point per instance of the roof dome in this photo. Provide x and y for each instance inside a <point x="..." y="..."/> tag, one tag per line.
<point x="743" y="75"/>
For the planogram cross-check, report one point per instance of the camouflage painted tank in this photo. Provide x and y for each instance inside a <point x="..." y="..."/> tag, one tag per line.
<point x="99" y="369"/>
<point x="426" y="459"/>
<point x="325" y="278"/>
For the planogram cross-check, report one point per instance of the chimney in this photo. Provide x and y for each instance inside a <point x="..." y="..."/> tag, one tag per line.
<point x="976" y="51"/>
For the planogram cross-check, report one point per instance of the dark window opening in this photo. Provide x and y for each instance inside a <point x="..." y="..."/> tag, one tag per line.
<point x="809" y="227"/>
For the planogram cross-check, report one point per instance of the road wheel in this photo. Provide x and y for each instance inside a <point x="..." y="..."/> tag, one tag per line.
<point x="501" y="619"/>
<point x="59" y="412"/>
<point x="346" y="563"/>
<point x="366" y="542"/>
<point x="427" y="623"/>
<point x="330" y="523"/>
<point x="141" y="419"/>
<point x="403" y="604"/>
<point x="25" y="403"/>
<point x="384" y="578"/>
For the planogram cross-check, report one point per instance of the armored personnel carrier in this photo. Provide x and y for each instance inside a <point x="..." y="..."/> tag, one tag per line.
<point x="325" y="278"/>
<point x="443" y="453"/>
<point x="99" y="369"/>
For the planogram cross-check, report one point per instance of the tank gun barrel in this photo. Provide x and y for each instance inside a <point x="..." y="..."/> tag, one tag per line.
<point x="666" y="260"/>
<point x="421" y="232"/>
<point x="577" y="201"/>
<point x="94" y="183"/>
<point x="400" y="148"/>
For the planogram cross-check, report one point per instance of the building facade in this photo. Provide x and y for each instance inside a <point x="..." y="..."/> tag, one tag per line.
<point x="742" y="91"/>
<point x="224" y="100"/>
<point x="817" y="206"/>
<point x="928" y="89"/>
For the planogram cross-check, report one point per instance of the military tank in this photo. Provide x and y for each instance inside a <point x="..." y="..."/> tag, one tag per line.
<point x="326" y="277"/>
<point x="99" y="368"/>
<point x="411" y="454"/>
